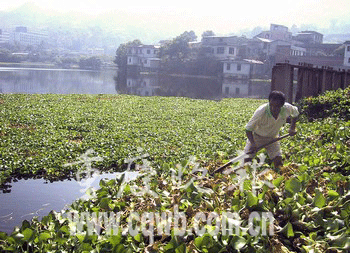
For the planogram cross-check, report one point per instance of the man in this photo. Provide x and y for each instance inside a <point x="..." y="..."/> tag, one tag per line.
<point x="265" y="124"/>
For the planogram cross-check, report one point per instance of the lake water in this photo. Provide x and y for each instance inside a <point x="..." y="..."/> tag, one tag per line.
<point x="56" y="81"/>
<point x="37" y="197"/>
<point x="66" y="81"/>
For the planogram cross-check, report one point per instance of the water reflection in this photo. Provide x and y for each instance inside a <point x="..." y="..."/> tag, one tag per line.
<point x="64" y="81"/>
<point x="245" y="88"/>
<point x="204" y="87"/>
<point x="37" y="197"/>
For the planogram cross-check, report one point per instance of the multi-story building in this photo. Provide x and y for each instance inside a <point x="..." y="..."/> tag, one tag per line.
<point x="276" y="32"/>
<point x="143" y="56"/>
<point x="241" y="69"/>
<point x="23" y="37"/>
<point x="309" y="37"/>
<point x="223" y="47"/>
<point x="4" y="37"/>
<point x="347" y="54"/>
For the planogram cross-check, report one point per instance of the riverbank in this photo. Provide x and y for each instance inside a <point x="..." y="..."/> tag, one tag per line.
<point x="28" y="65"/>
<point x="176" y="142"/>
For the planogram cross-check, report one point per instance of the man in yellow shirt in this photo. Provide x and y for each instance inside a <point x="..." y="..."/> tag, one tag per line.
<point x="265" y="125"/>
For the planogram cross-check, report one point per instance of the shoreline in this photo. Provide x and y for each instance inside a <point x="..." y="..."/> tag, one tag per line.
<point x="47" y="66"/>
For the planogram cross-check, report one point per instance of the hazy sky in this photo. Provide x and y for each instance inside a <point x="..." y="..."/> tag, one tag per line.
<point x="220" y="16"/>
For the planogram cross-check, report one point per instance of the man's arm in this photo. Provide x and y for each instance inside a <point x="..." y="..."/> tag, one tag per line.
<point x="251" y="140"/>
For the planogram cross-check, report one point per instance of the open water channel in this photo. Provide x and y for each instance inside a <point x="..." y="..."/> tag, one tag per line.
<point x="38" y="197"/>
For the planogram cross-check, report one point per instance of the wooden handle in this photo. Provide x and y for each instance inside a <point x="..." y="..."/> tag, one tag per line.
<point x="239" y="157"/>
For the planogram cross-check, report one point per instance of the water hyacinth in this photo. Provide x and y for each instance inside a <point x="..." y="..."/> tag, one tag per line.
<point x="175" y="205"/>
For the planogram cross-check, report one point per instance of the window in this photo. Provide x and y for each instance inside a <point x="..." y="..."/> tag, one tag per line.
<point x="239" y="67"/>
<point x="220" y="50"/>
<point x="348" y="48"/>
<point x="237" y="91"/>
<point x="349" y="60"/>
<point x="148" y="51"/>
<point x="227" y="90"/>
<point x="231" y="50"/>
<point x="228" y="66"/>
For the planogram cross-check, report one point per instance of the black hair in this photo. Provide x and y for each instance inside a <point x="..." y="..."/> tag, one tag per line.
<point x="277" y="95"/>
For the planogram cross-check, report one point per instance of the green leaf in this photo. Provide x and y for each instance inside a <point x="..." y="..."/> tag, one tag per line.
<point x="104" y="203"/>
<point x="138" y="237"/>
<point x="27" y="234"/>
<point x="293" y="185"/>
<point x="239" y="242"/>
<point x="181" y="248"/>
<point x="333" y="194"/>
<point x="287" y="230"/>
<point x="115" y="239"/>
<point x="3" y="236"/>
<point x="252" y="200"/>
<point x="277" y="182"/>
<point x="320" y="200"/>
<point x="44" y="236"/>
<point x="341" y="242"/>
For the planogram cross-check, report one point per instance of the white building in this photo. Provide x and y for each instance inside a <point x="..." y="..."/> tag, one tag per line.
<point x="222" y="47"/>
<point x="240" y="69"/>
<point x="96" y="51"/>
<point x="4" y="37"/>
<point x="23" y="37"/>
<point x="276" y="32"/>
<point x="347" y="54"/>
<point x="144" y="56"/>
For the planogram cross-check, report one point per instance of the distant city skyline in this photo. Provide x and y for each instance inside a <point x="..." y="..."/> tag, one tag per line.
<point x="222" y="17"/>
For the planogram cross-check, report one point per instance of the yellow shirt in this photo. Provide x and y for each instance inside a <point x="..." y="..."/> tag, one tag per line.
<point x="264" y="124"/>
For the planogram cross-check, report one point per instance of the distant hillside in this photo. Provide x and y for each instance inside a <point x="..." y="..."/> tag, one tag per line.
<point x="109" y="30"/>
<point x="115" y="24"/>
<point x="336" y="38"/>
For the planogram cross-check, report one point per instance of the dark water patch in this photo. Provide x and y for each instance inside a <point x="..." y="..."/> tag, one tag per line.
<point x="37" y="197"/>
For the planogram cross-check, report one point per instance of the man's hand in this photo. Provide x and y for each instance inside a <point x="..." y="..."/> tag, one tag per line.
<point x="292" y="131"/>
<point x="253" y="149"/>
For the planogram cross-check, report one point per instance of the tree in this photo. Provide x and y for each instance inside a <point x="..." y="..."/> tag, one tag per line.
<point x="121" y="53"/>
<point x="208" y="33"/>
<point x="93" y="63"/>
<point x="178" y="49"/>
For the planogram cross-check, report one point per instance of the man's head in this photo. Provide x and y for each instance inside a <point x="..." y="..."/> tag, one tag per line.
<point x="278" y="97"/>
<point x="276" y="101"/>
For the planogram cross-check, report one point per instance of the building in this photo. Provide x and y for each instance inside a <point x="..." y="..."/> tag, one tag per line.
<point x="223" y="47"/>
<point x="309" y="37"/>
<point x="276" y="32"/>
<point x="96" y="51"/>
<point x="25" y="38"/>
<point x="4" y="37"/>
<point x="144" y="56"/>
<point x="241" y="69"/>
<point x="347" y="54"/>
